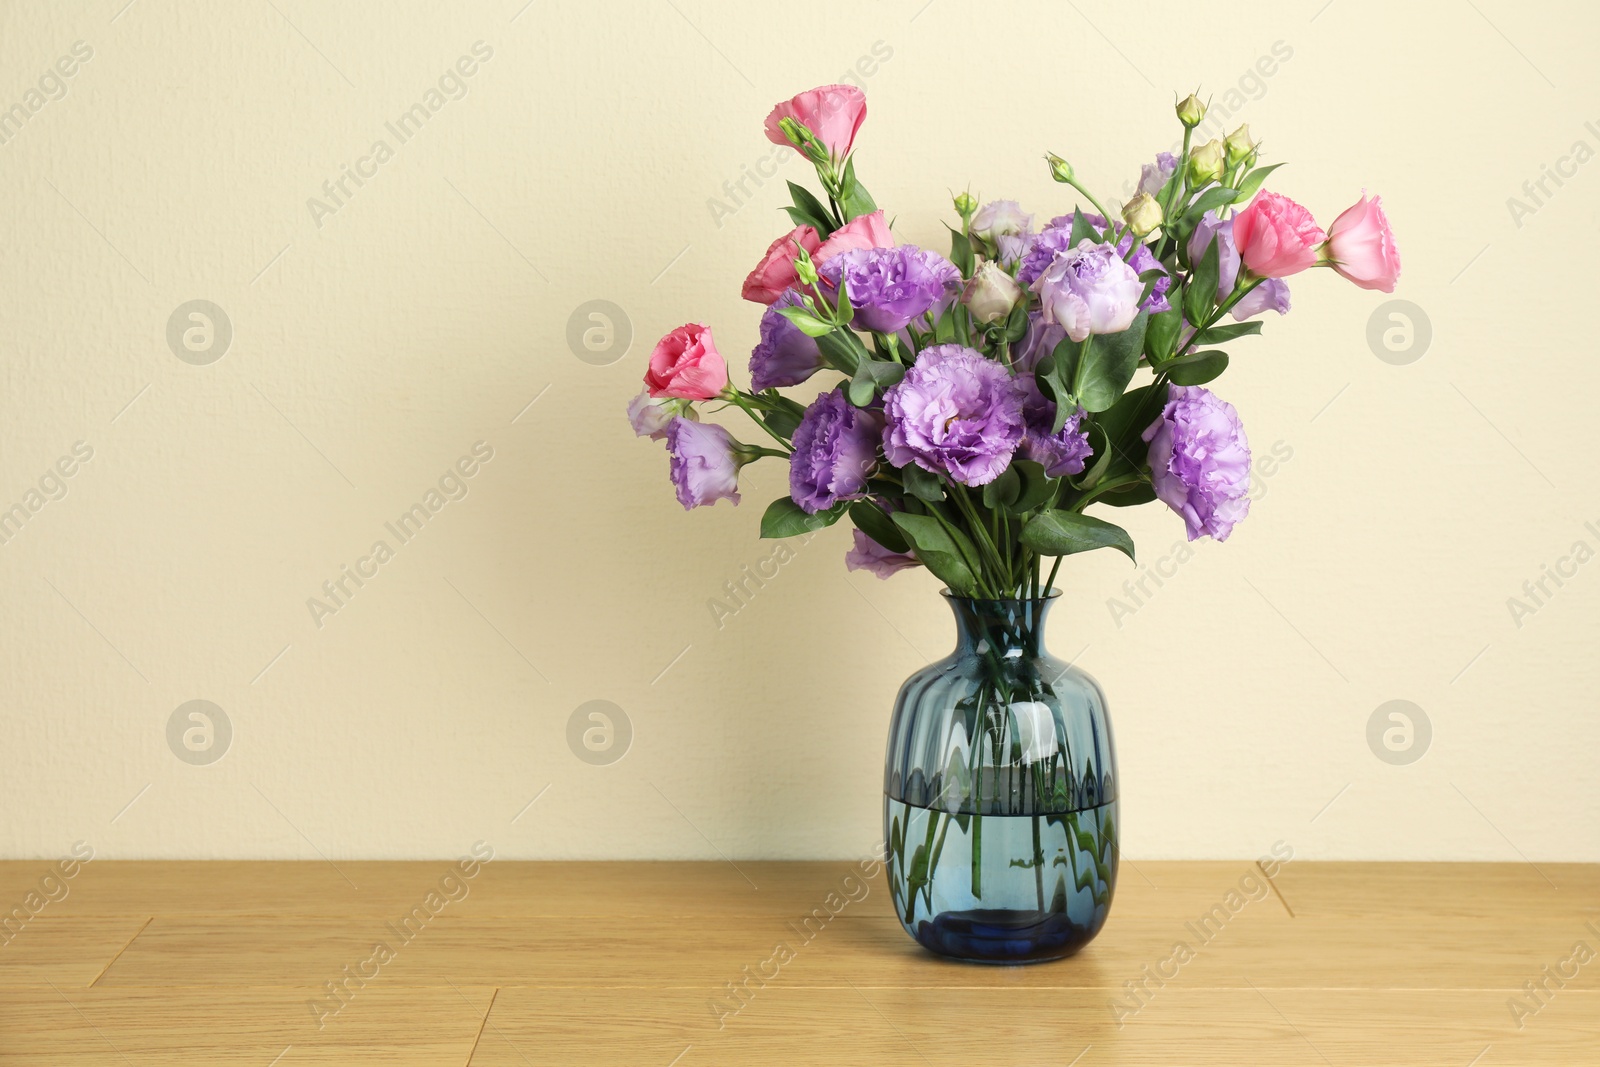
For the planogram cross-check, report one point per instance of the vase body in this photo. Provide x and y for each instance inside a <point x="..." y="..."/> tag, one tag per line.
<point x="1000" y="794"/>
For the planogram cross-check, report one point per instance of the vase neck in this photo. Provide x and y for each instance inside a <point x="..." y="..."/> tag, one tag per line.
<point x="1001" y="626"/>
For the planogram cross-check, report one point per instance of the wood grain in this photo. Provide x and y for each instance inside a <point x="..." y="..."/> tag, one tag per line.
<point x="191" y="963"/>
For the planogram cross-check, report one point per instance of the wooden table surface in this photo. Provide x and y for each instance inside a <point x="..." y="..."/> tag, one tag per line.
<point x="710" y="963"/>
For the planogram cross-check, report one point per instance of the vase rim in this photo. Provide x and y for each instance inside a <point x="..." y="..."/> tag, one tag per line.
<point x="1053" y="594"/>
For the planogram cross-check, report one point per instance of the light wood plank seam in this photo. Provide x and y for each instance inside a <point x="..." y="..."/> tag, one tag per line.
<point x="124" y="948"/>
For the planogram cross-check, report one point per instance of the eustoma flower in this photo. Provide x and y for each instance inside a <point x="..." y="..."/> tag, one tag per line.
<point x="1272" y="294"/>
<point x="1276" y="237"/>
<point x="890" y="287"/>
<point x="704" y="462"/>
<point x="650" y="416"/>
<point x="1061" y="453"/>
<point x="955" y="413"/>
<point x="1152" y="176"/>
<point x="1200" y="461"/>
<point x="863" y="231"/>
<point x="1001" y="218"/>
<point x="867" y="555"/>
<point x="686" y="365"/>
<point x="1043" y="248"/>
<point x="835" y="449"/>
<point x="832" y="112"/>
<point x="775" y="272"/>
<point x="1361" y="246"/>
<point x="784" y="355"/>
<point x="1089" y="289"/>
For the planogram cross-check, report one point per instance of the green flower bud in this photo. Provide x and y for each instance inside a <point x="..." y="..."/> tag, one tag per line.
<point x="1191" y="111"/>
<point x="1239" y="146"/>
<point x="966" y="207"/>
<point x="1142" y="214"/>
<point x="1060" y="169"/>
<point x="1206" y="163"/>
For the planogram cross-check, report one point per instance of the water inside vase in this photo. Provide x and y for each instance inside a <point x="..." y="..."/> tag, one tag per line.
<point x="1001" y="888"/>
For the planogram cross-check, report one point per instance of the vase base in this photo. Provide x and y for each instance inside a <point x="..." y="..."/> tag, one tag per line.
<point x="1002" y="935"/>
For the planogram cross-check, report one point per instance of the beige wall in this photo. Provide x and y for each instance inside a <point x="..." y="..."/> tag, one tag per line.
<point x="376" y="342"/>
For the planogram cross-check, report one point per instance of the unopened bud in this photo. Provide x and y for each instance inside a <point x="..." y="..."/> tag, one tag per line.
<point x="966" y="206"/>
<point x="1205" y="163"/>
<point x="1060" y="169"/>
<point x="991" y="293"/>
<point x="1191" y="111"/>
<point x="804" y="269"/>
<point x="1239" y="146"/>
<point x="1142" y="214"/>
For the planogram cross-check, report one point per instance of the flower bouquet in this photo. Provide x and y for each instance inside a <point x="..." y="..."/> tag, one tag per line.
<point x="983" y="402"/>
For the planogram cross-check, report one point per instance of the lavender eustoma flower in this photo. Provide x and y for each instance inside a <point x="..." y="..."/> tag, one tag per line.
<point x="955" y="413"/>
<point x="1152" y="176"/>
<point x="1271" y="295"/>
<point x="704" y="462"/>
<point x="651" y="415"/>
<point x="835" y="449"/>
<point x="1089" y="289"/>
<point x="1056" y="238"/>
<point x="890" y="287"/>
<point x="1062" y="453"/>
<point x="784" y="355"/>
<point x="1200" y="461"/>
<point x="867" y="555"/>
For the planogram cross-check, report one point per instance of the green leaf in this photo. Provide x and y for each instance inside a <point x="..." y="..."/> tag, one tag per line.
<point x="872" y="377"/>
<point x="1161" y="335"/>
<point x="1201" y="293"/>
<point x="841" y="348"/>
<point x="1063" y="533"/>
<point x="944" y="550"/>
<point x="1218" y="334"/>
<point x="808" y="323"/>
<point x="854" y="200"/>
<point x="960" y="251"/>
<point x="1081" y="229"/>
<point x="1142" y="493"/>
<point x="1002" y="492"/>
<point x="1017" y="324"/>
<point x="810" y="205"/>
<point x="800" y="218"/>
<point x="1037" y="487"/>
<point x="1054" y="375"/>
<point x="873" y="521"/>
<point x="784" y="518"/>
<point x="1102" y="458"/>
<point x="922" y="484"/>
<point x="1252" y="183"/>
<point x="1214" y="197"/>
<point x="1196" y="368"/>
<point x="785" y="417"/>
<point x="1107" y="365"/>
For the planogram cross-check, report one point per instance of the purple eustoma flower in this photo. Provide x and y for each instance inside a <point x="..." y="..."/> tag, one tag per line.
<point x="1271" y="295"/>
<point x="835" y="450"/>
<point x="1200" y="461"/>
<point x="1089" y="289"/>
<point x="1152" y="176"/>
<point x="1056" y="238"/>
<point x="1062" y="453"/>
<point x="651" y="415"/>
<point x="784" y="355"/>
<point x="954" y="413"/>
<point x="704" y="462"/>
<point x="868" y="555"/>
<point x="891" y="287"/>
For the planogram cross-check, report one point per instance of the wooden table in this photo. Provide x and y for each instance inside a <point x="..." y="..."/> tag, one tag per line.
<point x="707" y="963"/>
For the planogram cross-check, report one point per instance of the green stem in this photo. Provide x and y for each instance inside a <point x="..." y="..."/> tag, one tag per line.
<point x="735" y="397"/>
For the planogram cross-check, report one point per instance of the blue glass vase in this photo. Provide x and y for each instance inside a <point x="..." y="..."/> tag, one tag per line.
<point x="1000" y="794"/>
